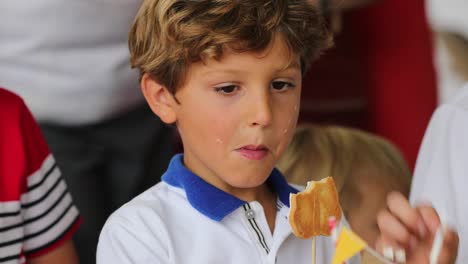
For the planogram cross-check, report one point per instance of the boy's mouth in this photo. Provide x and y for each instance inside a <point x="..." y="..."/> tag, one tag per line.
<point x="253" y="152"/>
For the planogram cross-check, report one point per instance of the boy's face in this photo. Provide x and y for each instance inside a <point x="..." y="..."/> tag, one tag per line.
<point x="237" y="115"/>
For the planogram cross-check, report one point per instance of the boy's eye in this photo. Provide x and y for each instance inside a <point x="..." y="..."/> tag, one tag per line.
<point x="281" y="85"/>
<point x="228" y="89"/>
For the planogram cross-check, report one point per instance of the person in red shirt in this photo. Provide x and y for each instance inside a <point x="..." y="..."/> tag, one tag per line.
<point x="37" y="214"/>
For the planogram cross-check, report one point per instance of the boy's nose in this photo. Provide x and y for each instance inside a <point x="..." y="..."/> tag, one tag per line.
<point x="260" y="110"/>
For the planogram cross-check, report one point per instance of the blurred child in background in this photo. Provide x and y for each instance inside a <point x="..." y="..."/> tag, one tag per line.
<point x="80" y="88"/>
<point x="365" y="168"/>
<point x="37" y="214"/>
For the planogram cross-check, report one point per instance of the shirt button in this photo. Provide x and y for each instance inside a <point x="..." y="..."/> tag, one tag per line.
<point x="250" y="214"/>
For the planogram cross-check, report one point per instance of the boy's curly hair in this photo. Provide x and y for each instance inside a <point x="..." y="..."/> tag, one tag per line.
<point x="169" y="35"/>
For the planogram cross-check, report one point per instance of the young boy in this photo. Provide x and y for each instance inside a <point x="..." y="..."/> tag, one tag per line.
<point x="228" y="75"/>
<point x="37" y="214"/>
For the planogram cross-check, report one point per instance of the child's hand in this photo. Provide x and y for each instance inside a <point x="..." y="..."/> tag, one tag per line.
<point x="408" y="232"/>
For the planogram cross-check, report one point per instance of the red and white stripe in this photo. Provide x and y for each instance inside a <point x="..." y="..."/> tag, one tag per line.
<point x="42" y="216"/>
<point x="36" y="211"/>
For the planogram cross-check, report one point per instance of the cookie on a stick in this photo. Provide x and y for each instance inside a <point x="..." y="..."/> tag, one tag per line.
<point x="311" y="208"/>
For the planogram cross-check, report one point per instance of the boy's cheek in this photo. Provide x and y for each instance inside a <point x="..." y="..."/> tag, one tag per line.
<point x="284" y="141"/>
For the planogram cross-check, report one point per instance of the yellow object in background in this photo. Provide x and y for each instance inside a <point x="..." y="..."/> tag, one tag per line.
<point x="348" y="245"/>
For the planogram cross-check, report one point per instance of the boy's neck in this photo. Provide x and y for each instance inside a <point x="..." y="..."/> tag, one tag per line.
<point x="262" y="194"/>
<point x="267" y="198"/>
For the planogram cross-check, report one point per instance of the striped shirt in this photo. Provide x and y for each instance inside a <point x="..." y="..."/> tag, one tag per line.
<point x="36" y="211"/>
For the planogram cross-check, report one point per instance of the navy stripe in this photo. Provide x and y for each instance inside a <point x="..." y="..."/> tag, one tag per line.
<point x="5" y="259"/>
<point x="37" y="217"/>
<point x="260" y="231"/>
<point x="18" y="256"/>
<point x="32" y="187"/>
<point x="261" y="234"/>
<point x="11" y="242"/>
<point x="257" y="230"/>
<point x="29" y="252"/>
<point x="10" y="214"/>
<point x="26" y="205"/>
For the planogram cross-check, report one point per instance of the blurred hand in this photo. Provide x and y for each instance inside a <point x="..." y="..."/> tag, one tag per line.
<point x="404" y="227"/>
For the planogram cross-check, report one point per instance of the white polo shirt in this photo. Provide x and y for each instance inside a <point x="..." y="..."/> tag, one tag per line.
<point x="186" y="220"/>
<point x="441" y="173"/>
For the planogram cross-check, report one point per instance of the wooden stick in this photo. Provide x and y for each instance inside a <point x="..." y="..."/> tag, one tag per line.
<point x="437" y="244"/>
<point x="314" y="250"/>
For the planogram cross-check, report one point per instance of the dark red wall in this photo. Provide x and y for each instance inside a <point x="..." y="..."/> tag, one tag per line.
<point x="380" y="76"/>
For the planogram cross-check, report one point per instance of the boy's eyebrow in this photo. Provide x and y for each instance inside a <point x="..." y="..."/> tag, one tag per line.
<point x="227" y="70"/>
<point x="292" y="65"/>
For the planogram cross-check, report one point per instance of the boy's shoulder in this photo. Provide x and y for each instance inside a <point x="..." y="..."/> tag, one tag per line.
<point x="157" y="204"/>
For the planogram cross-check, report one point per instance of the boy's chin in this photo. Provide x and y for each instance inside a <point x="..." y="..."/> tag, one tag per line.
<point x="248" y="180"/>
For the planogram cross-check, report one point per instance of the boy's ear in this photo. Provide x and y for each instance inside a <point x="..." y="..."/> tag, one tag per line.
<point x="160" y="100"/>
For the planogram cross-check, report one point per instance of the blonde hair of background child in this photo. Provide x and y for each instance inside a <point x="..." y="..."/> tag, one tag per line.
<point x="316" y="152"/>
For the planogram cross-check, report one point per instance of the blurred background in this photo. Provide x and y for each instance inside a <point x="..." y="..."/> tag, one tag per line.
<point x="380" y="75"/>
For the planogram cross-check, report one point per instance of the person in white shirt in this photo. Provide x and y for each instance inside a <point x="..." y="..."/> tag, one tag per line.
<point x="440" y="175"/>
<point x="228" y="74"/>
<point x="69" y="61"/>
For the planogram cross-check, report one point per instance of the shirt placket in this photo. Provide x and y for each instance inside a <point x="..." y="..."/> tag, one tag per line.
<point x="256" y="224"/>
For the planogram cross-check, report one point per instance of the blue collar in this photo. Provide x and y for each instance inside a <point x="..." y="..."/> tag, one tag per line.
<point x="211" y="201"/>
